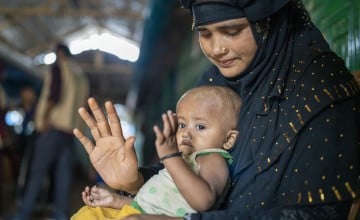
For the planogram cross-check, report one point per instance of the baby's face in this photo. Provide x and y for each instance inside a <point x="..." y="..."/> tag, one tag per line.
<point x="200" y="125"/>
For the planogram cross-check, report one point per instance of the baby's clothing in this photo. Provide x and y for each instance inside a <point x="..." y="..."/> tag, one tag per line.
<point x="159" y="195"/>
<point x="95" y="213"/>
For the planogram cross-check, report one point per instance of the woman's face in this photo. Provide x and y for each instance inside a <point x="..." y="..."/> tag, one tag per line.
<point x="230" y="45"/>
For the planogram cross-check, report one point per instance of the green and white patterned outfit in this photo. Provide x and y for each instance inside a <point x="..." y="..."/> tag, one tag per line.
<point x="159" y="195"/>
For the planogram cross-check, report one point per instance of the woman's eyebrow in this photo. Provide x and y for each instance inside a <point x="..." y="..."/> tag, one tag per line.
<point x="231" y="26"/>
<point x="223" y="27"/>
<point x="200" y="28"/>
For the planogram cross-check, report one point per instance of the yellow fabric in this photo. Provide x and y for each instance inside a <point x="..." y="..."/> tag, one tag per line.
<point x="99" y="213"/>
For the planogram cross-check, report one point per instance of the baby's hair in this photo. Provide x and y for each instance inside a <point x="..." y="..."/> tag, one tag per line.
<point x="220" y="95"/>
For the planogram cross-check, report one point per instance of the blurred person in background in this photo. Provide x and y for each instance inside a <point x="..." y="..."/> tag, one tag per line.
<point x="26" y="136"/>
<point x="3" y="107"/>
<point x="65" y="88"/>
<point x="4" y="139"/>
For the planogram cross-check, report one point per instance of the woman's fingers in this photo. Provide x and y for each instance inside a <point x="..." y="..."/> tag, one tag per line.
<point x="90" y="122"/>
<point x="114" y="120"/>
<point x="85" y="141"/>
<point x="101" y="121"/>
<point x="98" y="124"/>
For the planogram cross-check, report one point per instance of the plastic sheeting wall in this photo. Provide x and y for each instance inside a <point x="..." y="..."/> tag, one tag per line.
<point x="339" y="21"/>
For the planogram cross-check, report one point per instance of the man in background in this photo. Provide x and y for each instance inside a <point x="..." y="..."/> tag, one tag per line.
<point x="65" y="89"/>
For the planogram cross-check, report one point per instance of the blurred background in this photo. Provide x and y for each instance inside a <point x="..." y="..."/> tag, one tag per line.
<point x="140" y="54"/>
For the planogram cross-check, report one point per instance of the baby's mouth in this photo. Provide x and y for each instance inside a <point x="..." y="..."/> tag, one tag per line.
<point x="186" y="143"/>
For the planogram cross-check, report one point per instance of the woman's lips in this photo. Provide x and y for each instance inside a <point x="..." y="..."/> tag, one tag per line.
<point x="226" y="63"/>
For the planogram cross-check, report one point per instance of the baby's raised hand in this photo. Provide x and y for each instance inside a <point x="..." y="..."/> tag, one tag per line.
<point x="166" y="138"/>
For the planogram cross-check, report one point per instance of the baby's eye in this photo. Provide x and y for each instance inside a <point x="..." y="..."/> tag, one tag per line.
<point x="199" y="127"/>
<point x="181" y="125"/>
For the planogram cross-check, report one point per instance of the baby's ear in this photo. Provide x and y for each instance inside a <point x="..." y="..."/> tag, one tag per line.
<point x="230" y="139"/>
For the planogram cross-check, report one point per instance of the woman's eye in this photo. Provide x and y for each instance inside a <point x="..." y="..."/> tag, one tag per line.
<point x="233" y="32"/>
<point x="204" y="33"/>
<point x="200" y="127"/>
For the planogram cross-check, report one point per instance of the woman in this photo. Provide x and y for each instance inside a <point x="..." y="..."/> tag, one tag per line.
<point x="299" y="151"/>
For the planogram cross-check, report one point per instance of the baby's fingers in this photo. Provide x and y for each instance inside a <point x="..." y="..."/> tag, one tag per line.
<point x="172" y="120"/>
<point x="167" y="130"/>
<point x="86" y="198"/>
<point x="159" y="136"/>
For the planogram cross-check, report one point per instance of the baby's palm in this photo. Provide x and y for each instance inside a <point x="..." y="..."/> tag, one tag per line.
<point x="166" y="138"/>
<point x="104" y="198"/>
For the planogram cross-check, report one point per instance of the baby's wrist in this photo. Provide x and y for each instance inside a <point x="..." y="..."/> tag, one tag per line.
<point x="171" y="155"/>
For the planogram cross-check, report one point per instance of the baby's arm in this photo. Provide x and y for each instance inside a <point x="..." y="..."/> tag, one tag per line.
<point x="203" y="190"/>
<point x="200" y="191"/>
<point x="96" y="196"/>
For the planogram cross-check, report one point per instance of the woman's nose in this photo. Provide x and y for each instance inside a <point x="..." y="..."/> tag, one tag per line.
<point x="218" y="48"/>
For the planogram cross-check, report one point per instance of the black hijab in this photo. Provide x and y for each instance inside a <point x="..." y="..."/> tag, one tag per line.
<point x="282" y="56"/>
<point x="271" y="115"/>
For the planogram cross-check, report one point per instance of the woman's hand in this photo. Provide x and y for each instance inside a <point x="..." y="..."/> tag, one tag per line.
<point x="113" y="156"/>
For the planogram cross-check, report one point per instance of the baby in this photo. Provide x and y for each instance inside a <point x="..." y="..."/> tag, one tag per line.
<point x="192" y="145"/>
